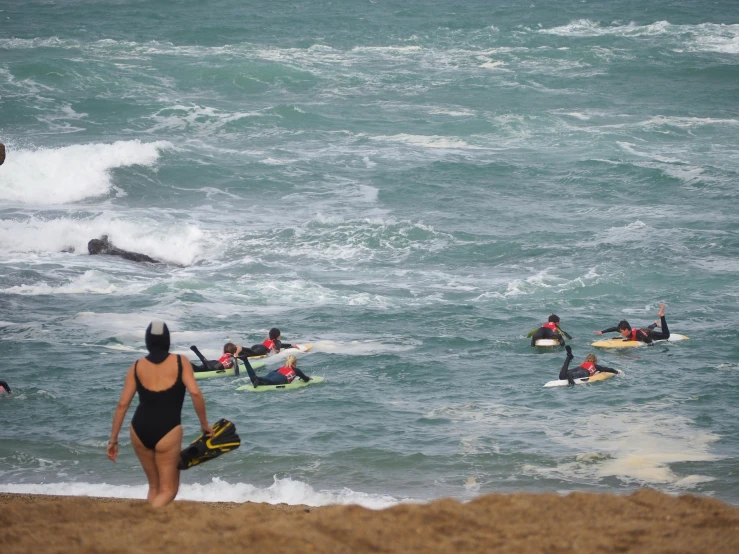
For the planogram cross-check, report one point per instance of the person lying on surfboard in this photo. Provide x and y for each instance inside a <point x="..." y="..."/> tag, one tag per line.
<point x="271" y="345"/>
<point x="586" y="369"/>
<point x="282" y="376"/>
<point x="550" y="330"/>
<point x="646" y="334"/>
<point x="226" y="361"/>
<point x="4" y="387"/>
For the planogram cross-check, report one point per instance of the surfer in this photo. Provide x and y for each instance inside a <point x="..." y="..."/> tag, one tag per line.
<point x="4" y="386"/>
<point x="271" y="345"/>
<point x="156" y="430"/>
<point x="550" y="330"/>
<point x="586" y="369"/>
<point x="646" y="334"/>
<point x="226" y="361"/>
<point x="2" y="153"/>
<point x="104" y="246"/>
<point x="282" y="376"/>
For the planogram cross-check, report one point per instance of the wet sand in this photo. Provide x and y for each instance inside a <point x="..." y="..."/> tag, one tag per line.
<point x="645" y="521"/>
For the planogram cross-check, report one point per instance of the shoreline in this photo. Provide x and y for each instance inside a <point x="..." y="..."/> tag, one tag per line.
<point x="645" y="521"/>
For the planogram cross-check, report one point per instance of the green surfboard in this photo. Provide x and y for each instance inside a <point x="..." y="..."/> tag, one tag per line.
<point x="227" y="372"/>
<point x="297" y="384"/>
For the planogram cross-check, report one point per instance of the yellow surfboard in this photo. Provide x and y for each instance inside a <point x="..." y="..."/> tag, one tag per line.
<point x="621" y="343"/>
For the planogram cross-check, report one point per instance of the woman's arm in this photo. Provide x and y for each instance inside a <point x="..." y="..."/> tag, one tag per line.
<point x="198" y="402"/>
<point x="300" y="374"/>
<point x="129" y="389"/>
<point x="605" y="369"/>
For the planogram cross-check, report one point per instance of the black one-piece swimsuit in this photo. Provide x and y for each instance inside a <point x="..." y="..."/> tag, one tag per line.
<point x="159" y="411"/>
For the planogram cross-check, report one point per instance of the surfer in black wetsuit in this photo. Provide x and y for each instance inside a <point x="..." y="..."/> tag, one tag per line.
<point x="104" y="246"/>
<point x="550" y="330"/>
<point x="282" y="376"/>
<point x="272" y="345"/>
<point x="586" y="369"/>
<point x="646" y="334"/>
<point x="226" y="361"/>
<point x="2" y="153"/>
<point x="4" y="386"/>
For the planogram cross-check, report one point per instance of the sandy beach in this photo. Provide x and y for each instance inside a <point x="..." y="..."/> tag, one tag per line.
<point x="645" y="521"/>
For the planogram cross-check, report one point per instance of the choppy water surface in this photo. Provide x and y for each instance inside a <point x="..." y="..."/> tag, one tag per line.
<point x="412" y="187"/>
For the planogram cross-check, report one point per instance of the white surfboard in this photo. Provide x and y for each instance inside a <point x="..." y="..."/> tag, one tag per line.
<point x="583" y="380"/>
<point x="286" y="351"/>
<point x="547" y="343"/>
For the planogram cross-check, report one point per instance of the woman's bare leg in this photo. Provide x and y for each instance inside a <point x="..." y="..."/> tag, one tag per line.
<point x="167" y="456"/>
<point x="146" y="457"/>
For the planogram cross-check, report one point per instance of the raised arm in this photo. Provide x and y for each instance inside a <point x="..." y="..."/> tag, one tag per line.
<point x="129" y="389"/>
<point x="198" y="402"/>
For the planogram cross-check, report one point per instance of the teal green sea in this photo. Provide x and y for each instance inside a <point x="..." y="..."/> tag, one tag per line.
<point x="409" y="186"/>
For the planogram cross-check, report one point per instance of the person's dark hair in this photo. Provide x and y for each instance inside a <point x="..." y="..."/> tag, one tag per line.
<point x="274" y="333"/>
<point x="553" y="318"/>
<point x="623" y="325"/>
<point x="229" y="348"/>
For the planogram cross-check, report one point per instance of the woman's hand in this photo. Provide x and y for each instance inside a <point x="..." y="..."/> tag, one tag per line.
<point x="207" y="429"/>
<point x="112" y="450"/>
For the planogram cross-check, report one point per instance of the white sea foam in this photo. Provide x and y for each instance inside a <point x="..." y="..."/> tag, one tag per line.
<point x="161" y="239"/>
<point x="191" y="118"/>
<point x="71" y="173"/>
<point x="704" y="37"/>
<point x="91" y="282"/>
<point x="494" y="65"/>
<point x="631" y="149"/>
<point x="431" y="141"/>
<point x="686" y="122"/>
<point x="453" y="113"/>
<point x="283" y="491"/>
<point x="637" y="445"/>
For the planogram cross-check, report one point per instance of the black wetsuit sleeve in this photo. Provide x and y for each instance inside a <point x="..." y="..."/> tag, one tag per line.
<point x="605" y="369"/>
<point x="5" y="386"/>
<point x="565" y="333"/>
<point x="300" y="374"/>
<point x="610" y="330"/>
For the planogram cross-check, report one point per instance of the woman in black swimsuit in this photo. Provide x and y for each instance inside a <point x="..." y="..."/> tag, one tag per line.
<point x="156" y="432"/>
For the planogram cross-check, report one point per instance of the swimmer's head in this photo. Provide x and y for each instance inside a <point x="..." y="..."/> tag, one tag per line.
<point x="229" y="348"/>
<point x="553" y="318"/>
<point x="274" y="333"/>
<point x="290" y="361"/>
<point x="157" y="341"/>
<point x="624" y="328"/>
<point x="592" y="358"/>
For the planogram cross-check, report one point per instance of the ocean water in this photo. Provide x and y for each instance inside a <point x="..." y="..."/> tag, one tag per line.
<point x="409" y="186"/>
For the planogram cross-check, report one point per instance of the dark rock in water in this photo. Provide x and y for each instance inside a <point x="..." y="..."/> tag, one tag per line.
<point x="104" y="246"/>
